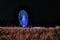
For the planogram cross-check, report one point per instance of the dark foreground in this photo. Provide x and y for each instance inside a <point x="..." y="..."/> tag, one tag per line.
<point x="34" y="33"/>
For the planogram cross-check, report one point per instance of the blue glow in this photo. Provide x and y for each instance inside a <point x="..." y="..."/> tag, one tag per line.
<point x="23" y="18"/>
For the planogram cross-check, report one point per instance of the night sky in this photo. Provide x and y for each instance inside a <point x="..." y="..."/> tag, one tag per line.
<point x="40" y="13"/>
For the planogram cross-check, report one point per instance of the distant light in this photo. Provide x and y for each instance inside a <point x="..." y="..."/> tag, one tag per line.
<point x="23" y="18"/>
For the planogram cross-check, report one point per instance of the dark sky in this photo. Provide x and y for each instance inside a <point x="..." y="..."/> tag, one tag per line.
<point x="41" y="13"/>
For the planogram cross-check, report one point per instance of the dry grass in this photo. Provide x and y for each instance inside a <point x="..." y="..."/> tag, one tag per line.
<point x="41" y="33"/>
